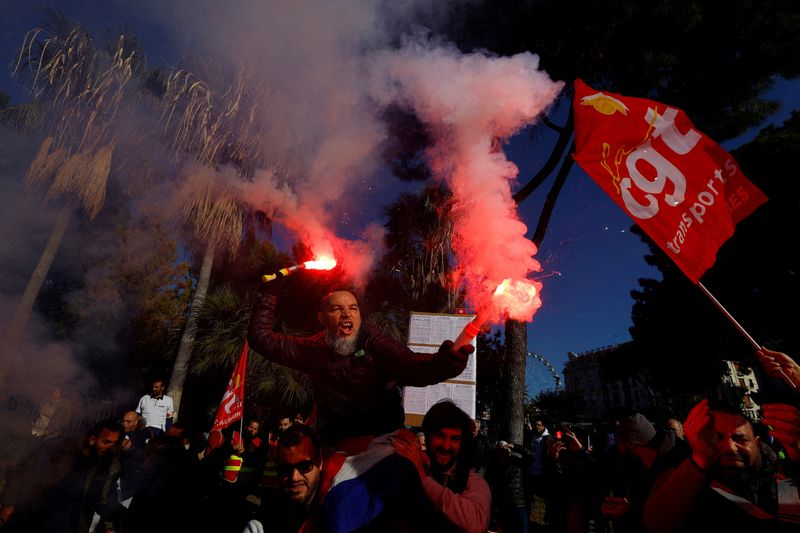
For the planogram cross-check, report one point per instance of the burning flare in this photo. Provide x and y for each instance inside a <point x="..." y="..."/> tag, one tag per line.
<point x="322" y="263"/>
<point x="517" y="299"/>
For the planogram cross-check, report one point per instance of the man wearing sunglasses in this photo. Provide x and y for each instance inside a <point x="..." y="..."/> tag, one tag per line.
<point x="299" y="468"/>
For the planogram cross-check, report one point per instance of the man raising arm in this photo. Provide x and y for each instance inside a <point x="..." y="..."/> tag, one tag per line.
<point x="356" y="369"/>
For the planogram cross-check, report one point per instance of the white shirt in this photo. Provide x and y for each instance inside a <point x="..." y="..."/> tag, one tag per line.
<point x="155" y="411"/>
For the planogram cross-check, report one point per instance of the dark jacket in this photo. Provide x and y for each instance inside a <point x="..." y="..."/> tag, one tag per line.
<point x="358" y="394"/>
<point x="505" y="475"/>
<point x="132" y="463"/>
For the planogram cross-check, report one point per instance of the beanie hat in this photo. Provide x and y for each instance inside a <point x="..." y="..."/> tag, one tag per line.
<point x="635" y="429"/>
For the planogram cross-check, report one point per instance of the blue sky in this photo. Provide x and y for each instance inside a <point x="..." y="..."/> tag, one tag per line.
<point x="590" y="259"/>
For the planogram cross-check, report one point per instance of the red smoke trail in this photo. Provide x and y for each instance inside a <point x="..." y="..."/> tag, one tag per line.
<point x="467" y="101"/>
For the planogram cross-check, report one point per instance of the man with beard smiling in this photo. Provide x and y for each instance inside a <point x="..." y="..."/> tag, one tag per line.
<point x="732" y="481"/>
<point x="458" y="499"/>
<point x="356" y="368"/>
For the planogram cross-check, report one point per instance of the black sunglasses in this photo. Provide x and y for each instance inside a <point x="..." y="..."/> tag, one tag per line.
<point x="286" y="469"/>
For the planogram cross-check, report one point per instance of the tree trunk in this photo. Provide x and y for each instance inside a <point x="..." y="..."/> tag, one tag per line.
<point x="517" y="333"/>
<point x="16" y="327"/>
<point x="516" y="353"/>
<point x="178" y="377"/>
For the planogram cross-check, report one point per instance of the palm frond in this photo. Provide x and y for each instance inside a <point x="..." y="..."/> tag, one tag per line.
<point x="214" y="215"/>
<point x="217" y="126"/>
<point x="44" y="165"/>
<point x="83" y="88"/>
<point x="290" y="388"/>
<point x="26" y="117"/>
<point x="222" y="329"/>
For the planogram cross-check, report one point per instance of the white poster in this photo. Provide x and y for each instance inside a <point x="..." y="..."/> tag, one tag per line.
<point x="426" y="333"/>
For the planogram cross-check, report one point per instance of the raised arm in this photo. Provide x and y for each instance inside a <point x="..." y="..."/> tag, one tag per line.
<point x="295" y="352"/>
<point x="774" y="363"/>
<point x="416" y="369"/>
<point x="675" y="493"/>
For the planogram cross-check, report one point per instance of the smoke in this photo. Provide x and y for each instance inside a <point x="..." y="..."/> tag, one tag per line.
<point x="72" y="334"/>
<point x="24" y="231"/>
<point x="322" y="74"/>
<point x="326" y="72"/>
<point x="468" y="101"/>
<point x="37" y="362"/>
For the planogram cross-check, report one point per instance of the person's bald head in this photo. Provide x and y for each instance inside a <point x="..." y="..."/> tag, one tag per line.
<point x="130" y="421"/>
<point x="341" y="316"/>
<point x="674" y="425"/>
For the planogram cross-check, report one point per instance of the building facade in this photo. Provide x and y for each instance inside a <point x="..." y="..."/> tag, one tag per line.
<point x="583" y="376"/>
<point x="739" y="383"/>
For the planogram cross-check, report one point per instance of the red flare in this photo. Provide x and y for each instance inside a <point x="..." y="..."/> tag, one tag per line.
<point x="321" y="263"/>
<point x="517" y="299"/>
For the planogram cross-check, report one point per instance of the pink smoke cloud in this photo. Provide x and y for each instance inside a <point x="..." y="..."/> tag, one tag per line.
<point x="467" y="101"/>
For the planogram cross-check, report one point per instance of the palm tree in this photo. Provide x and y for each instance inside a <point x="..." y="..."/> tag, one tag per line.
<point x="415" y="271"/>
<point x="216" y="128"/>
<point x="223" y="322"/>
<point x="79" y="89"/>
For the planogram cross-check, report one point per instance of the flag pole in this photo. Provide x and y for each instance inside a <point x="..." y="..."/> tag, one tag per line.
<point x="739" y="327"/>
<point x="711" y="297"/>
<point x="245" y="351"/>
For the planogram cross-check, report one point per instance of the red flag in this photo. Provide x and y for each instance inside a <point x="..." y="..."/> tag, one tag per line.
<point x="683" y="189"/>
<point x="231" y="408"/>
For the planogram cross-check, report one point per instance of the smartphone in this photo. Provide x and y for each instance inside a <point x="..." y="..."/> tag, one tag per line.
<point x="559" y="435"/>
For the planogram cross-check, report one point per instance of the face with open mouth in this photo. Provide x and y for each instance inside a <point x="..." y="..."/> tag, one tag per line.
<point x="340" y="315"/>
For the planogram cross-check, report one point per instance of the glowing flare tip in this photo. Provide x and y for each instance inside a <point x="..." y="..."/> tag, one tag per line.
<point x="518" y="299"/>
<point x="323" y="263"/>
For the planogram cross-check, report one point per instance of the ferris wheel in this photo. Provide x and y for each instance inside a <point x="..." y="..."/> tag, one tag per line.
<point x="542" y="374"/>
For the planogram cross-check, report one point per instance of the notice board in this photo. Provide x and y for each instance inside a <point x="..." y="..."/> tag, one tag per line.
<point x="426" y="332"/>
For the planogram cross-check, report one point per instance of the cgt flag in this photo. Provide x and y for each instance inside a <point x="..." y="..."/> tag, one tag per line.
<point x="231" y="408"/>
<point x="683" y="189"/>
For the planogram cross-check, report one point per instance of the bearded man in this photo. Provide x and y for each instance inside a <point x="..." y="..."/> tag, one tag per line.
<point x="454" y="496"/>
<point x="356" y="369"/>
<point x="732" y="481"/>
<point x="299" y="470"/>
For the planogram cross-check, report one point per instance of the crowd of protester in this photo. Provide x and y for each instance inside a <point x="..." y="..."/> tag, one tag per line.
<point x="351" y="464"/>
